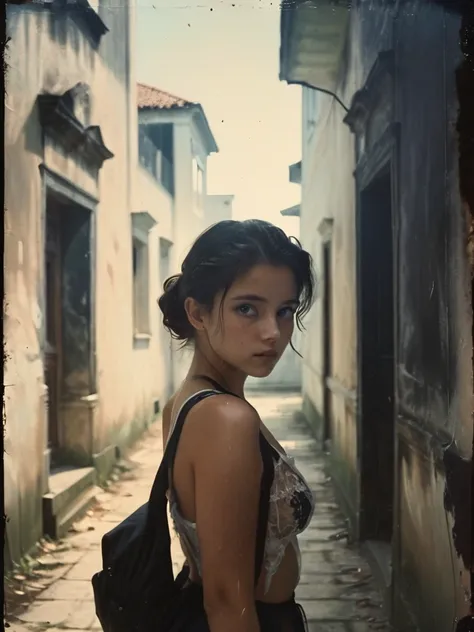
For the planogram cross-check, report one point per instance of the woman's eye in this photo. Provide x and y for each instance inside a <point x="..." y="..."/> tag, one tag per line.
<point x="286" y="312"/>
<point x="246" y="310"/>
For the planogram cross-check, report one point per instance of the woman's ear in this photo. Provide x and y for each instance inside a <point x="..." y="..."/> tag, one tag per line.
<point x="195" y="313"/>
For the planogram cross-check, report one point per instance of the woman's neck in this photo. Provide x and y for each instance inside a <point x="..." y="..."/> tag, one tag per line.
<point x="223" y="374"/>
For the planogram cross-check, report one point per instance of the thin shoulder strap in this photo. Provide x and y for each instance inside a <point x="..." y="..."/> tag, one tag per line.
<point x="161" y="483"/>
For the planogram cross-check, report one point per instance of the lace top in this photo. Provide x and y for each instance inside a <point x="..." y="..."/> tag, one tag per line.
<point x="290" y="511"/>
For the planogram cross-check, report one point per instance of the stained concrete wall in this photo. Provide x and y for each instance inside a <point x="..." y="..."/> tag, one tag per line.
<point x="434" y="311"/>
<point x="47" y="57"/>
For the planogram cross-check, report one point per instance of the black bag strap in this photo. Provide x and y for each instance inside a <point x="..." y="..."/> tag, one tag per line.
<point x="267" y="476"/>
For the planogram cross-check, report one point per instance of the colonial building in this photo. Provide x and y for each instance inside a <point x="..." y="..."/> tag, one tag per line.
<point x="175" y="143"/>
<point x="387" y="213"/>
<point x="73" y="394"/>
<point x="98" y="210"/>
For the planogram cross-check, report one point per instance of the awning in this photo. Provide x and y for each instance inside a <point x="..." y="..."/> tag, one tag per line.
<point x="312" y="35"/>
<point x="293" y="211"/>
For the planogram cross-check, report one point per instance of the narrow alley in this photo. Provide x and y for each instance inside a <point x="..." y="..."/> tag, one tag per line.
<point x="336" y="589"/>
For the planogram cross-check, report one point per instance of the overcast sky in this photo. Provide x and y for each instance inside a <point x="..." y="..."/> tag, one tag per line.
<point x="227" y="60"/>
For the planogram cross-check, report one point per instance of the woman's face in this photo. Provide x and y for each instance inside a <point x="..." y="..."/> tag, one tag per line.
<point x="250" y="329"/>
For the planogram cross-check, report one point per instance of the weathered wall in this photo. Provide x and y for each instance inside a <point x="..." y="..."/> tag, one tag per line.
<point x="434" y="346"/>
<point x="37" y="63"/>
<point x="44" y="57"/>
<point x="434" y="356"/>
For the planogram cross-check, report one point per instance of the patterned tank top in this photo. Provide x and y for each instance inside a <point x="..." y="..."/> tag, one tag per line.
<point x="290" y="511"/>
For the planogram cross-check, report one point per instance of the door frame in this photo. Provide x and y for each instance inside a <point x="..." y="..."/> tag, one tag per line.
<point x="372" y="118"/>
<point x="54" y="184"/>
<point x="325" y="229"/>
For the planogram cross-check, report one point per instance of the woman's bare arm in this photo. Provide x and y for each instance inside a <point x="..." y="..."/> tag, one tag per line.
<point x="227" y="469"/>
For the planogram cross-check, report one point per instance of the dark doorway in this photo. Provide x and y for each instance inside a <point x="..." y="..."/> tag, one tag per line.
<point x="69" y="353"/>
<point x="327" y="333"/>
<point x="376" y="363"/>
<point x="53" y="351"/>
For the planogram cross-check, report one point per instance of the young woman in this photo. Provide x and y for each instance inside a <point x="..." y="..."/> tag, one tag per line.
<point x="242" y="287"/>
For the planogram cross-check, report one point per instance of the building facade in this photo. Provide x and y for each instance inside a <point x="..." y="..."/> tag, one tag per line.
<point x="176" y="139"/>
<point x="81" y="359"/>
<point x="387" y="213"/>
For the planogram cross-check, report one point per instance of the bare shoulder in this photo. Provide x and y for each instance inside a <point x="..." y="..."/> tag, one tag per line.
<point x="224" y="417"/>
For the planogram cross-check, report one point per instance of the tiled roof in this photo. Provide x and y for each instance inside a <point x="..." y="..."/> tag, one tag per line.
<point x="149" y="97"/>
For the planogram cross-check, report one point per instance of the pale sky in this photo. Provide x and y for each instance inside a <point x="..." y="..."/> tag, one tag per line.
<point x="227" y="59"/>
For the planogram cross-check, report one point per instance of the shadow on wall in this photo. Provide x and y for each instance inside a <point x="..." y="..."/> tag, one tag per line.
<point x="457" y="478"/>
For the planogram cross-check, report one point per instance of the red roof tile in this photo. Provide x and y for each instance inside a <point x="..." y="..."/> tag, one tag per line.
<point x="149" y="97"/>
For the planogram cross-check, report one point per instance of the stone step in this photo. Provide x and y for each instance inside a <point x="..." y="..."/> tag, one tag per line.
<point x="72" y="492"/>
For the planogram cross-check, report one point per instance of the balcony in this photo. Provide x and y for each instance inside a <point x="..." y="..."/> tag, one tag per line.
<point x="157" y="164"/>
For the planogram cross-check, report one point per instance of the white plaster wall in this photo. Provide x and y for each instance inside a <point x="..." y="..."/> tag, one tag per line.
<point x="328" y="193"/>
<point x="150" y="195"/>
<point x="218" y="207"/>
<point x="152" y="363"/>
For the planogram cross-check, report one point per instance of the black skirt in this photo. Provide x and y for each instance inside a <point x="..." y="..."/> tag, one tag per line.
<point x="279" y="617"/>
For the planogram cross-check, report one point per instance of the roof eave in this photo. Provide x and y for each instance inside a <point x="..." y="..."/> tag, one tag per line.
<point x="312" y="37"/>
<point x="292" y="211"/>
<point x="205" y="128"/>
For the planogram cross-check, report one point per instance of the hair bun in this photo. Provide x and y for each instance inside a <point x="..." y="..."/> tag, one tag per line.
<point x="171" y="303"/>
<point x="172" y="283"/>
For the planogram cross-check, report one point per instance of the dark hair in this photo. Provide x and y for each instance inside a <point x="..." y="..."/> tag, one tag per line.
<point x="222" y="254"/>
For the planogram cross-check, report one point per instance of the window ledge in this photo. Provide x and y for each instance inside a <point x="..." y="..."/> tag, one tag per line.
<point x="141" y="336"/>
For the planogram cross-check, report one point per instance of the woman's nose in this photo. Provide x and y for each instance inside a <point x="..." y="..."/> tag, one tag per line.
<point x="270" y="329"/>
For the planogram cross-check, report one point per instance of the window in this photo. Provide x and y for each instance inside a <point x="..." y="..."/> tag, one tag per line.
<point x="142" y="223"/>
<point x="155" y="151"/>
<point x="141" y="305"/>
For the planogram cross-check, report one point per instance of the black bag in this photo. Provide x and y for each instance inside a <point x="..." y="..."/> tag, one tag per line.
<point x="136" y="591"/>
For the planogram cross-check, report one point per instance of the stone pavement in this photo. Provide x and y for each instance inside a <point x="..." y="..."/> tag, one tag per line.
<point x="336" y="589"/>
